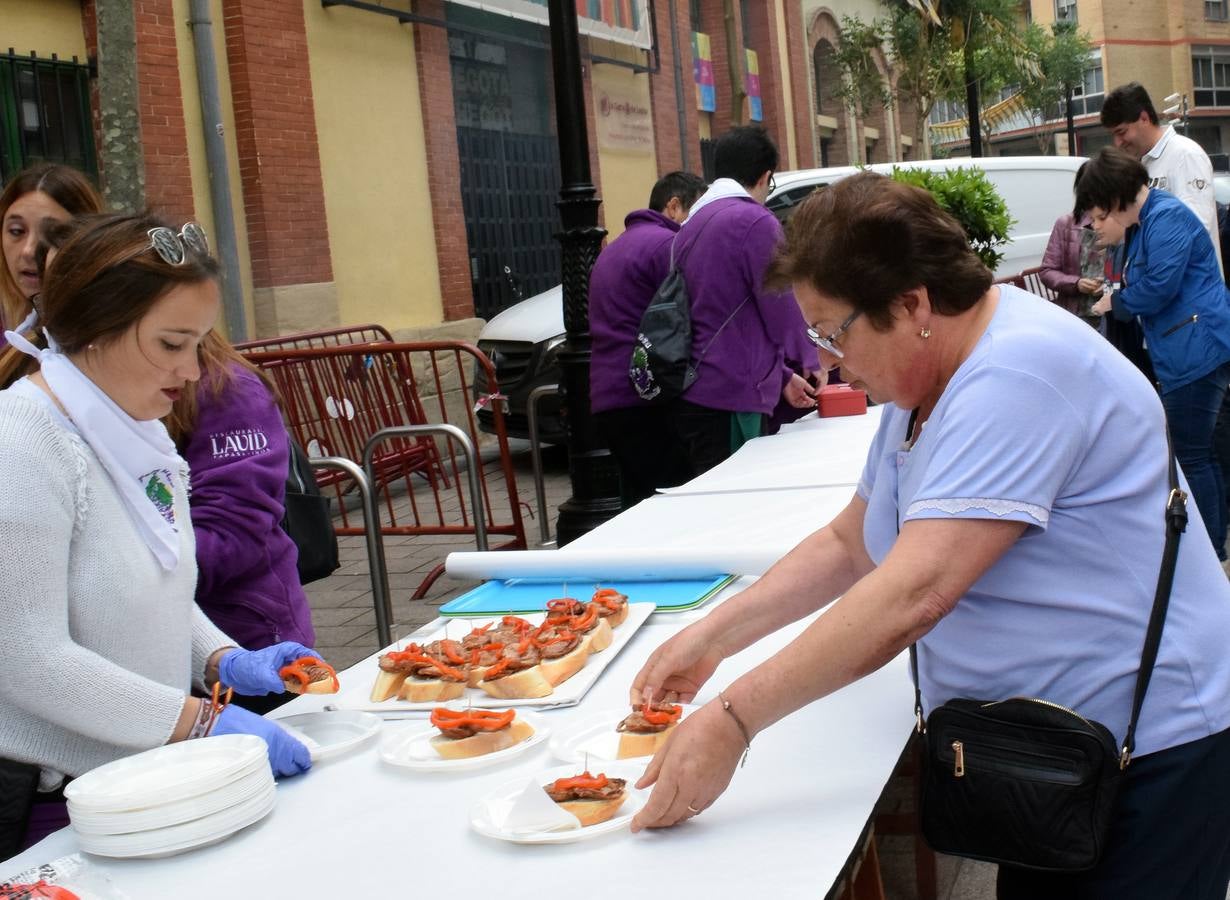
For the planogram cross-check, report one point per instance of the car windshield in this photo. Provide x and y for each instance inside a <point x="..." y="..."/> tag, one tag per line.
<point x="785" y="202"/>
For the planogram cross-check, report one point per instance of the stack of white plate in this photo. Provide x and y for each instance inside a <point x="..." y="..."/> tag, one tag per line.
<point x="172" y="798"/>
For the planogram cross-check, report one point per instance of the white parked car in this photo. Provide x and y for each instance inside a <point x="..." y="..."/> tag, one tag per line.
<point x="522" y="341"/>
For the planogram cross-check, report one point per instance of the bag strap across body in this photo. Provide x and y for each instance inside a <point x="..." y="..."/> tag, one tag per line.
<point x="722" y="327"/>
<point x="1176" y="524"/>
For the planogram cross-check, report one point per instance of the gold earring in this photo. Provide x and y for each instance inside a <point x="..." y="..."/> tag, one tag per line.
<point x="925" y="333"/>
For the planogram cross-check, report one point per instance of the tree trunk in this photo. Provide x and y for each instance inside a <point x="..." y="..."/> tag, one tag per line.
<point x="971" y="101"/>
<point x="1071" y="125"/>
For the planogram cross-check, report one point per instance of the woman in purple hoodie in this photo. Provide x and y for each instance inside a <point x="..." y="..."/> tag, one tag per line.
<point x="229" y="429"/>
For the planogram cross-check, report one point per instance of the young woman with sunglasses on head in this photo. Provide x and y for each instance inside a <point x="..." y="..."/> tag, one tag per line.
<point x="229" y="429"/>
<point x="101" y="644"/>
<point x="43" y="194"/>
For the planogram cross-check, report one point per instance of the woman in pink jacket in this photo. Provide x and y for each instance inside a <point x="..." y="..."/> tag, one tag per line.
<point x="1072" y="266"/>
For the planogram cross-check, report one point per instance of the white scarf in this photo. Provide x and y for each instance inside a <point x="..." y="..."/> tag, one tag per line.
<point x="720" y="189"/>
<point x="139" y="457"/>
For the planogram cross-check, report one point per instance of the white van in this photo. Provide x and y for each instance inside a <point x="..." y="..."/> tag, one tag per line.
<point x="522" y="340"/>
<point x="1036" y="189"/>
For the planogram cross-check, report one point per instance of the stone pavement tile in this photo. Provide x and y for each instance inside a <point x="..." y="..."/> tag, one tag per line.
<point x="330" y="617"/>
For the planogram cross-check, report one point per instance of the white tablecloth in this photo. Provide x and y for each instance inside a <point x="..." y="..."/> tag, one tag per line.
<point x="812" y="452"/>
<point x="357" y="827"/>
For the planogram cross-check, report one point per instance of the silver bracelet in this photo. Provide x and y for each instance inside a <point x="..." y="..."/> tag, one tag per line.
<point x="747" y="741"/>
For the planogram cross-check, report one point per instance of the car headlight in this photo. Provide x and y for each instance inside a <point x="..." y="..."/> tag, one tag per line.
<point x="551" y="351"/>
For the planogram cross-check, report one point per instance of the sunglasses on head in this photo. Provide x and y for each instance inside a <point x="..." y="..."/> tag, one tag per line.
<point x="173" y="247"/>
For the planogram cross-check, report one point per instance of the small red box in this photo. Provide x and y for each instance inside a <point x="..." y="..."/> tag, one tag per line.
<point x="841" y="400"/>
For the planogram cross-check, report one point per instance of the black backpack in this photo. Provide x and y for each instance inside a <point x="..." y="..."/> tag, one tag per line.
<point x="309" y="519"/>
<point x="661" y="366"/>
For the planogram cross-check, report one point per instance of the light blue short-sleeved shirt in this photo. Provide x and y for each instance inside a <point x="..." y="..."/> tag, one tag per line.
<point x="1046" y="423"/>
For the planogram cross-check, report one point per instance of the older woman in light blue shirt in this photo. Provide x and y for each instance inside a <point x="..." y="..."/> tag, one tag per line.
<point x="1009" y="520"/>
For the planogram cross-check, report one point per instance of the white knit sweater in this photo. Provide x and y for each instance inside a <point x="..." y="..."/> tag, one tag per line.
<point x="98" y="644"/>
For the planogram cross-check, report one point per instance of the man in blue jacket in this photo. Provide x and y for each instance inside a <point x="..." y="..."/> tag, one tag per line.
<point x="621" y="284"/>
<point x="1171" y="280"/>
<point x="742" y="334"/>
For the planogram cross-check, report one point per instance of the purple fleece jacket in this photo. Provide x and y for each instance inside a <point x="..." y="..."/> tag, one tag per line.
<point x="623" y="281"/>
<point x="248" y="581"/>
<point x="743" y="369"/>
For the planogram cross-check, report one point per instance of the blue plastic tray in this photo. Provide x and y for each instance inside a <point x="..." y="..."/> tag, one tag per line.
<point x="527" y="595"/>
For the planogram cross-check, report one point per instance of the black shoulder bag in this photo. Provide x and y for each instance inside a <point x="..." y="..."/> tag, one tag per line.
<point x="661" y="366"/>
<point x="1026" y="782"/>
<point x="308" y="518"/>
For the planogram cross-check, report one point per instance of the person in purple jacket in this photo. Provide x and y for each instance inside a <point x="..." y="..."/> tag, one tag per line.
<point x="621" y="284"/>
<point x="740" y="330"/>
<point x="230" y="431"/>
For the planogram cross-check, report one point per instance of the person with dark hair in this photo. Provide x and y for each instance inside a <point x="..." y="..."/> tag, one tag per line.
<point x="621" y="285"/>
<point x="742" y="332"/>
<point x="101" y="644"/>
<point x="1175" y="162"/>
<point x="1009" y="521"/>
<point x="1171" y="281"/>
<point x="1072" y="265"/>
<point x="229" y="429"/>
<point x="46" y="193"/>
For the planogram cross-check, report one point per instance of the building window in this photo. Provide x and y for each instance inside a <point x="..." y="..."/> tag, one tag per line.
<point x="1215" y="10"/>
<point x="1210" y="75"/>
<point x="746" y="24"/>
<point x="694" y="11"/>
<point x="1087" y="97"/>
<point x="946" y="111"/>
<point x="1065" y="10"/>
<point x="44" y="114"/>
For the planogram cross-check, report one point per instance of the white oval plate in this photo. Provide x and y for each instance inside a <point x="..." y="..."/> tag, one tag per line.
<point x="487" y="816"/>
<point x="411" y="749"/>
<point x="184" y="836"/>
<point x="330" y="734"/>
<point x="168" y="773"/>
<point x="128" y="821"/>
<point x="595" y="738"/>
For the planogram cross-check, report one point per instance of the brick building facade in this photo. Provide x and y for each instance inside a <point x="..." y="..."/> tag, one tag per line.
<point x="361" y="171"/>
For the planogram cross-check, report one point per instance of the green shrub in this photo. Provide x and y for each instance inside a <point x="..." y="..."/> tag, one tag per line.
<point x="972" y="200"/>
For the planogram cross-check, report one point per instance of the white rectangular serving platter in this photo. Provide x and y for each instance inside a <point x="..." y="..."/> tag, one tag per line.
<point x="357" y="681"/>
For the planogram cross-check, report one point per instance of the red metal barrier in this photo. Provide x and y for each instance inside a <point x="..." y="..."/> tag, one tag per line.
<point x="337" y="397"/>
<point x="329" y="337"/>
<point x="1033" y="283"/>
<point x="1017" y="280"/>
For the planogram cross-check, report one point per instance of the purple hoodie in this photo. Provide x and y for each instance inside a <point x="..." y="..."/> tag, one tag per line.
<point x="239" y="458"/>
<point x="743" y="368"/>
<point x="623" y="281"/>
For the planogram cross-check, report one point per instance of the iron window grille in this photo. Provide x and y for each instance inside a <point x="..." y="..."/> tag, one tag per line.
<point x="1065" y="10"/>
<point x="1215" y="10"/>
<point x="44" y="113"/>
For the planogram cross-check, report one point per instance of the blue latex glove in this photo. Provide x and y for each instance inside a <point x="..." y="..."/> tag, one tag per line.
<point x="255" y="672"/>
<point x="287" y="756"/>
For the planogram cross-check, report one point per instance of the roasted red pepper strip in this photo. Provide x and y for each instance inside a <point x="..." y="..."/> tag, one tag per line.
<point x="439" y="666"/>
<point x="566" y="605"/>
<point x="478" y="719"/>
<point x="451" y="654"/>
<point x="609" y="597"/>
<point x="482" y="629"/>
<point x="296" y="670"/>
<point x="586" y="781"/>
<point x="586" y="620"/>
<point x="660" y="717"/>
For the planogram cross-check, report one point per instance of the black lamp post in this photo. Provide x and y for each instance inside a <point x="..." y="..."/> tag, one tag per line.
<point x="591" y="468"/>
